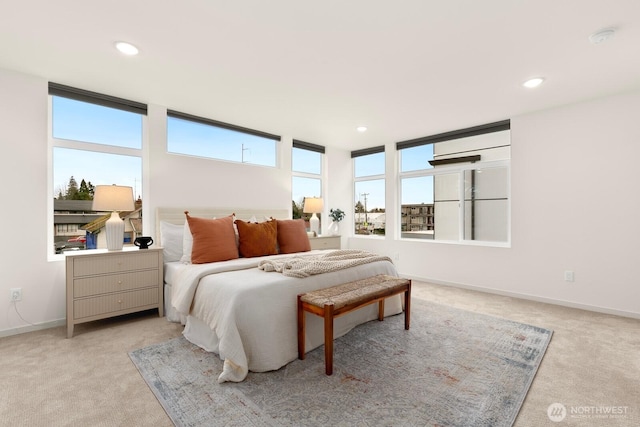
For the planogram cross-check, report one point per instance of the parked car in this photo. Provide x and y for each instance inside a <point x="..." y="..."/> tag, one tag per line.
<point x="78" y="239"/>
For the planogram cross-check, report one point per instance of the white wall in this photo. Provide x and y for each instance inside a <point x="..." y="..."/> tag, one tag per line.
<point x="170" y="181"/>
<point x="23" y="172"/>
<point x="185" y="181"/>
<point x="575" y="206"/>
<point x="339" y="189"/>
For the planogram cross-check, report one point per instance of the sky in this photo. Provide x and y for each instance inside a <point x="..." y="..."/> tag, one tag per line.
<point x="80" y="121"/>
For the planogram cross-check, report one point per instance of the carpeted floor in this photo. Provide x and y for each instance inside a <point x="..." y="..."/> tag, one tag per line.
<point x="51" y="381"/>
<point x="453" y="367"/>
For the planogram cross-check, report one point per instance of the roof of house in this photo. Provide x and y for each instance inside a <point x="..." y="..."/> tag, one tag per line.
<point x="75" y="218"/>
<point x="98" y="223"/>
<point x="73" y="205"/>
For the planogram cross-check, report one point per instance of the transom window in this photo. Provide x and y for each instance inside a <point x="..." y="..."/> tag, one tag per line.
<point x="197" y="136"/>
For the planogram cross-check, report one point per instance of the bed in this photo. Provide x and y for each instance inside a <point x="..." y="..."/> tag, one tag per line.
<point x="239" y="308"/>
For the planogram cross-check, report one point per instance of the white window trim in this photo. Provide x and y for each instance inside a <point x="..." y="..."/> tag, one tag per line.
<point x="460" y="169"/>
<point x="83" y="146"/>
<point x="319" y="176"/>
<point x="353" y="197"/>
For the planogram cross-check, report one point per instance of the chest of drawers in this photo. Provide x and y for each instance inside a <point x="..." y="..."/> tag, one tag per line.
<point x="325" y="242"/>
<point x="103" y="284"/>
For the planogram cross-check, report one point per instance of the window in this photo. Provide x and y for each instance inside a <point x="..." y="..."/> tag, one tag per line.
<point x="455" y="186"/>
<point x="369" y="191"/>
<point x="197" y="136"/>
<point x="306" y="170"/>
<point x="95" y="139"/>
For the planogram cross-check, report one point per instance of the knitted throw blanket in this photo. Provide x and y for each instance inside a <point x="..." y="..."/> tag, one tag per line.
<point x="305" y="266"/>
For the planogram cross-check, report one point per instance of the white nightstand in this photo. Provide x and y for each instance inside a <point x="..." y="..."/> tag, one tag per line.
<point x="103" y="284"/>
<point x="325" y="242"/>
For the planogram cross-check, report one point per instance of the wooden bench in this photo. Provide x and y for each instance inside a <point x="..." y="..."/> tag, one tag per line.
<point x="335" y="301"/>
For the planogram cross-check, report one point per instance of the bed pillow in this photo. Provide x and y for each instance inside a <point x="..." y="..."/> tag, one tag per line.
<point x="171" y="236"/>
<point x="292" y="236"/>
<point x="213" y="239"/>
<point x="257" y="239"/>
<point x="187" y="243"/>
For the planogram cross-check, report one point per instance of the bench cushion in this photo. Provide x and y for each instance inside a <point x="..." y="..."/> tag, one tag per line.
<point x="353" y="292"/>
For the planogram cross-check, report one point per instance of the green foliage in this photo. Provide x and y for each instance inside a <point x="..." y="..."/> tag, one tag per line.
<point x="85" y="191"/>
<point x="296" y="209"/>
<point x="336" y="215"/>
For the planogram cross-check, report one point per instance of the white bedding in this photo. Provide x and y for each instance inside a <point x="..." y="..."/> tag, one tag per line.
<point x="252" y="313"/>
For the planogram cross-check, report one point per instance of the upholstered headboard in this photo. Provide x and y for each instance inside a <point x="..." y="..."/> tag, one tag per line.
<point x="176" y="215"/>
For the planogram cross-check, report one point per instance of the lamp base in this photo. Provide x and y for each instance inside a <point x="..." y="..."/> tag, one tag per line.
<point x="314" y="224"/>
<point x="114" y="228"/>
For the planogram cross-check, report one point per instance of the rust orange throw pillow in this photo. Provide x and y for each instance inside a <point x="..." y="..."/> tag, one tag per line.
<point x="257" y="239"/>
<point x="292" y="236"/>
<point x="213" y="239"/>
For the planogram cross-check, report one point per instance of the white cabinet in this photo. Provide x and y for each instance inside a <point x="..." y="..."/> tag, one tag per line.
<point x="325" y="242"/>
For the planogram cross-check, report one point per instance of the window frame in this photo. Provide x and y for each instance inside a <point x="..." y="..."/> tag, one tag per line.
<point x="302" y="145"/>
<point x="445" y="168"/>
<point x="87" y="146"/>
<point x="277" y="139"/>
<point x="364" y="178"/>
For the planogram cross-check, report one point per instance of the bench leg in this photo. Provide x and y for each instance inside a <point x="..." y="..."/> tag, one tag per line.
<point x="328" y="338"/>
<point x="381" y="310"/>
<point x="301" y="327"/>
<point x="407" y="307"/>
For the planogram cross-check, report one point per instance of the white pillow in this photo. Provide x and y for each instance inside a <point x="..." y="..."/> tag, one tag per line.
<point x="187" y="243"/>
<point x="171" y="238"/>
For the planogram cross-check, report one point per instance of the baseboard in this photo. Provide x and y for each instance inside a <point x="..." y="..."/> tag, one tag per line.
<point x="34" y="327"/>
<point x="570" y="304"/>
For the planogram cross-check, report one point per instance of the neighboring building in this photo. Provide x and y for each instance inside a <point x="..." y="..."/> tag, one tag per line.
<point x="370" y="222"/>
<point x="417" y="220"/>
<point x="68" y="218"/>
<point x="75" y="218"/>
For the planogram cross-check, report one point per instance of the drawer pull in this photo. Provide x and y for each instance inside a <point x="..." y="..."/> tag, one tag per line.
<point x="119" y="282"/>
<point x="119" y="301"/>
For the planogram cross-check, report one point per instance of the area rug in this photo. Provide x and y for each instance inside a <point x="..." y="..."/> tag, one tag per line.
<point x="452" y="368"/>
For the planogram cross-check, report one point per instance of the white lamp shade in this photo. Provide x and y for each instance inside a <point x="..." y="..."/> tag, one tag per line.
<point x="112" y="198"/>
<point x="313" y="205"/>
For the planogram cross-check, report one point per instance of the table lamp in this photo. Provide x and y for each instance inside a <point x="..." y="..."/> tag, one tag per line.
<point x="113" y="198"/>
<point x="313" y="205"/>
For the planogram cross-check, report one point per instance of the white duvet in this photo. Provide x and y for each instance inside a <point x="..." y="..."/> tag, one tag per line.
<point x="252" y="313"/>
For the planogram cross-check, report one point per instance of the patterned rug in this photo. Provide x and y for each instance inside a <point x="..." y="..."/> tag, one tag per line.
<point x="452" y="368"/>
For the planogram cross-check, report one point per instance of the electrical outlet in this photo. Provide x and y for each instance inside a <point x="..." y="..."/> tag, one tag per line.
<point x="569" y="276"/>
<point x="15" y="294"/>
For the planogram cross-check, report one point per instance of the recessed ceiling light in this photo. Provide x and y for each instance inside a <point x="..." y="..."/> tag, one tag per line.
<point x="534" y="82"/>
<point x="127" y="48"/>
<point x="361" y="128"/>
<point x="602" y="35"/>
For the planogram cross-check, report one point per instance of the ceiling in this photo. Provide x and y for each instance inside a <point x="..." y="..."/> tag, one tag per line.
<point x="317" y="70"/>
